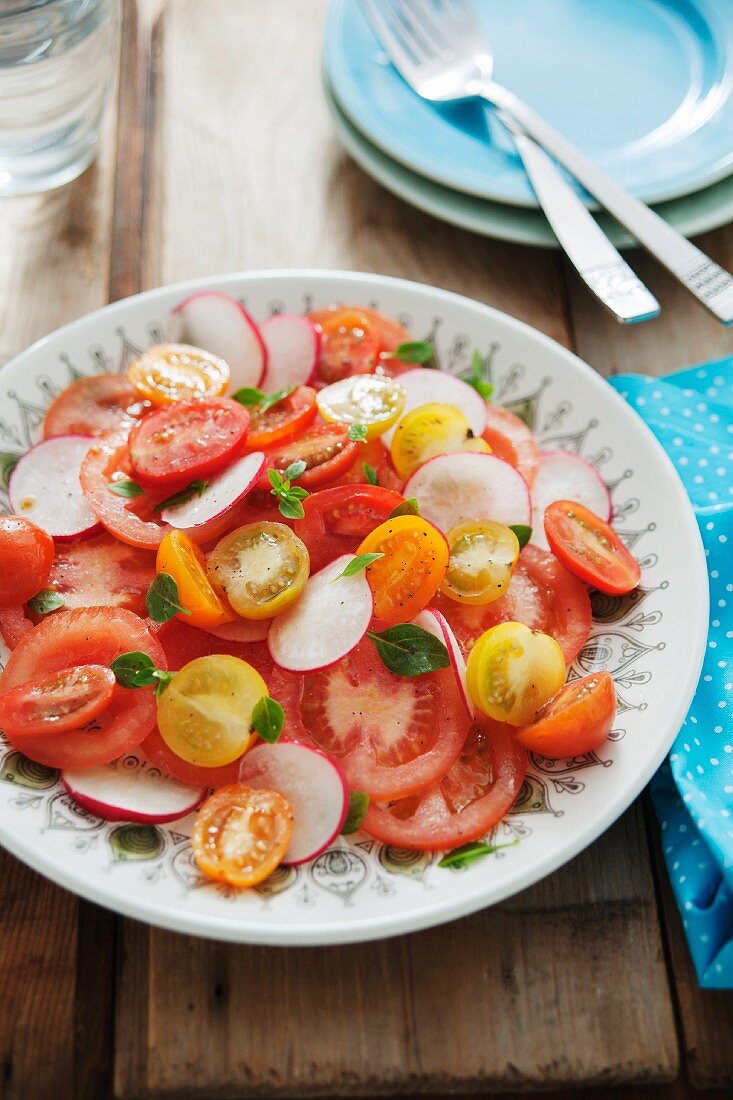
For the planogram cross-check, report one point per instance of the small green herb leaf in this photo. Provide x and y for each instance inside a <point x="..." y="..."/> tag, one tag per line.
<point x="295" y="469"/>
<point x="275" y="398"/>
<point x="291" y="508"/>
<point x="409" y="507"/>
<point x="249" y="396"/>
<point x="408" y="650"/>
<point x="289" y="496"/>
<point x="267" y="719"/>
<point x="361" y="561"/>
<point x="358" y="806"/>
<point x="162" y="678"/>
<point x="414" y="351"/>
<point x="477" y="377"/>
<point x="357" y="433"/>
<point x="48" y="599"/>
<point x="133" y="670"/>
<point x="523" y="533"/>
<point x="162" y="599"/>
<point x="126" y="488"/>
<point x="461" y="857"/>
<point x="370" y="474"/>
<point x="194" y="488"/>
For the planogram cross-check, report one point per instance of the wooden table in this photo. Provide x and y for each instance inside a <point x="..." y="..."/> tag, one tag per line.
<point x="221" y="157"/>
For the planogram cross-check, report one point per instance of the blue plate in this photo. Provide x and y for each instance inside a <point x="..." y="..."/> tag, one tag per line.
<point x="645" y="87"/>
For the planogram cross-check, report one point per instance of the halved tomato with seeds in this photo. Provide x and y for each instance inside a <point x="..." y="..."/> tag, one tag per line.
<point x="91" y="406"/>
<point x="285" y="420"/>
<point x="337" y="519"/>
<point x="326" y="450"/>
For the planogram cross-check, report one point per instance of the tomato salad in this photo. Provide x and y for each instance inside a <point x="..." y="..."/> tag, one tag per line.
<point x="292" y="566"/>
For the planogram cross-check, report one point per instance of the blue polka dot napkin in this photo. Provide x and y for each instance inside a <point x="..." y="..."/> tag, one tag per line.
<point x="691" y="414"/>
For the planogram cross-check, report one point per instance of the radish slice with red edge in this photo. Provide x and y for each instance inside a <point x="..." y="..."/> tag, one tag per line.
<point x="221" y="493"/>
<point x="293" y="346"/>
<point x="313" y="784"/>
<point x="220" y="324"/>
<point x="131" y="788"/>
<point x="565" y="476"/>
<point x="327" y="622"/>
<point x="241" y="630"/>
<point x="455" y="488"/>
<point x="45" y="488"/>
<point x="423" y="386"/>
<point x="436" y="624"/>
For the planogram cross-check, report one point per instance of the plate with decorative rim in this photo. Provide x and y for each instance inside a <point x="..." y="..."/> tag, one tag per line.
<point x="652" y="642"/>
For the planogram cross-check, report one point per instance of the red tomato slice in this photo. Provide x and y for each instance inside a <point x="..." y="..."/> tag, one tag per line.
<point x="90" y="406"/>
<point x="14" y="624"/>
<point x="194" y="775"/>
<point x="86" y="636"/>
<point x="392" y="736"/>
<point x="590" y="548"/>
<point x="26" y="553"/>
<point x="542" y="594"/>
<point x="510" y="439"/>
<point x="289" y="418"/>
<point x="337" y="519"/>
<point x="130" y="519"/>
<point x="57" y="703"/>
<point x="189" y="439"/>
<point x="326" y="450"/>
<point x="469" y="800"/>
<point x="575" y="721"/>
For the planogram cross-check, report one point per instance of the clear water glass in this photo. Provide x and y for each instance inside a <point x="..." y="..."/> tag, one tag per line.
<point x="57" y="64"/>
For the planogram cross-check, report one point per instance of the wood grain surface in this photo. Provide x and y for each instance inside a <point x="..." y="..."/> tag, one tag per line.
<point x="225" y="160"/>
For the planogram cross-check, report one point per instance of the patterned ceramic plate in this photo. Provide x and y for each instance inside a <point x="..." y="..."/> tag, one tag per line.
<point x="652" y="642"/>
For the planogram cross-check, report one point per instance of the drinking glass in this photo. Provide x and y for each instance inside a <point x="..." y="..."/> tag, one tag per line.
<point x="57" y="62"/>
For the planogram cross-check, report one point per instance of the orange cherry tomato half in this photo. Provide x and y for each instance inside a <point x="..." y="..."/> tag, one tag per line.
<point x="181" y="559"/>
<point x="285" y="420"/>
<point x="26" y="556"/>
<point x="173" y="372"/>
<point x="575" y="721"/>
<point x="62" y="701"/>
<point x="413" y="564"/>
<point x="590" y="548"/>
<point x="241" y="835"/>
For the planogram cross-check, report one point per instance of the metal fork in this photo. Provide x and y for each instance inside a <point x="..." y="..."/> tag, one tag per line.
<point x="440" y="50"/>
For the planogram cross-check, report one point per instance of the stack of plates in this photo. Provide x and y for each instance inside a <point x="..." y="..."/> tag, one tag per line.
<point x="645" y="87"/>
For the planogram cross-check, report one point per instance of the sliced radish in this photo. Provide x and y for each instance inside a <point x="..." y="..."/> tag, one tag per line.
<point x="221" y="493"/>
<point x="436" y="624"/>
<point x="423" y="386"/>
<point x="453" y="488"/>
<point x="131" y="789"/>
<point x="45" y="487"/>
<point x="293" y="345"/>
<point x="242" y="630"/>
<point x="313" y="784"/>
<point x="220" y="324"/>
<point x="564" y="476"/>
<point x="329" y="619"/>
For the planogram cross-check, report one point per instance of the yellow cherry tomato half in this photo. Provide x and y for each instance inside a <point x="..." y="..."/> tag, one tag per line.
<point x="205" y="712"/>
<point x="512" y="671"/>
<point x="431" y="430"/>
<point x="483" y="556"/>
<point x="240" y="834"/>
<point x="261" y="568"/>
<point x="167" y="373"/>
<point x="183" y="560"/>
<point x="413" y="563"/>
<point x="369" y="399"/>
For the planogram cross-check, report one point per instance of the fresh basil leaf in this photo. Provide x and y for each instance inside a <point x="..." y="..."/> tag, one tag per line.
<point x="267" y="719"/>
<point x="361" y="561"/>
<point x="275" y="398"/>
<point x="461" y="857"/>
<point x="408" y="650"/>
<point x="297" y="492"/>
<point x="477" y="378"/>
<point x="370" y="474"/>
<point x="163" y="678"/>
<point x="162" y="599"/>
<point x="358" y="806"/>
<point x="291" y="508"/>
<point x="409" y="507"/>
<point x="295" y="469"/>
<point x="132" y="668"/>
<point x="414" y="351"/>
<point x="48" y="599"/>
<point x="357" y="433"/>
<point x="249" y="396"/>
<point x="194" y="488"/>
<point x="523" y="533"/>
<point x="127" y="488"/>
<point x="276" y="479"/>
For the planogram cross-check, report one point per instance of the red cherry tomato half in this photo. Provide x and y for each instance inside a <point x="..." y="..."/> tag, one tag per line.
<point x="474" y="794"/>
<point x="285" y="420"/>
<point x="326" y="450"/>
<point x="590" y="548"/>
<point x="95" y="635"/>
<point x="90" y="406"/>
<point x="189" y="439"/>
<point x="338" y="519"/>
<point x="131" y="519"/>
<point x="57" y="703"/>
<point x="510" y="439"/>
<point x="350" y="343"/>
<point x="26" y="554"/>
<point x="575" y="721"/>
<point x="14" y="624"/>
